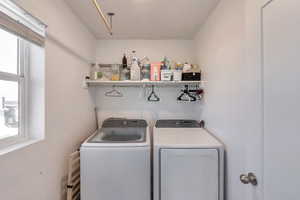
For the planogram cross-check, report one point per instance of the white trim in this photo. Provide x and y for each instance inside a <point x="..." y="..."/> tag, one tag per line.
<point x="9" y="77"/>
<point x="23" y="88"/>
<point x="262" y="93"/>
<point x="20" y="78"/>
<point x="16" y="20"/>
<point x="20" y="15"/>
<point x="10" y="141"/>
<point x="19" y="145"/>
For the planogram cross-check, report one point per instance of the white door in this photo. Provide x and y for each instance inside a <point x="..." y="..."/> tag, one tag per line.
<point x="281" y="102"/>
<point x="190" y="174"/>
<point x="281" y="92"/>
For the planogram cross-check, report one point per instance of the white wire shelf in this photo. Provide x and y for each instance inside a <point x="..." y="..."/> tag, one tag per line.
<point x="142" y="83"/>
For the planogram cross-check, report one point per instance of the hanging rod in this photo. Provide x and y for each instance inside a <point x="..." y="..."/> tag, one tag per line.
<point x="103" y="17"/>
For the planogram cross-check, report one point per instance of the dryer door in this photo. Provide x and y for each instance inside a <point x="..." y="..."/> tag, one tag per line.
<point x="191" y="174"/>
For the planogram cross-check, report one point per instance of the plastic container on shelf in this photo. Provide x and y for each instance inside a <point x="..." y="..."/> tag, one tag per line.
<point x="135" y="71"/>
<point x="146" y="72"/>
<point x="115" y="69"/>
<point x="177" y="75"/>
<point x="155" y="71"/>
<point x="125" y="74"/>
<point x="95" y="72"/>
<point x="106" y="71"/>
<point x="166" y="75"/>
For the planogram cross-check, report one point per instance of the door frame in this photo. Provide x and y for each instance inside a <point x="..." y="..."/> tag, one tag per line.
<point x="255" y="64"/>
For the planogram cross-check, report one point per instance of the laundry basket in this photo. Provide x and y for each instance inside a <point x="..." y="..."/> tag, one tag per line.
<point x="73" y="185"/>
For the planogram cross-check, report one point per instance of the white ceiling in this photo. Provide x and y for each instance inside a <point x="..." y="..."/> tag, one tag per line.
<point x="145" y="19"/>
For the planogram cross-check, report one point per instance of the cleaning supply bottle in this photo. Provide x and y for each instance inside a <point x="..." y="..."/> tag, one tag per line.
<point x="135" y="70"/>
<point x="130" y="59"/>
<point x="95" y="72"/>
<point x="146" y="70"/>
<point x="125" y="73"/>
<point x="124" y="61"/>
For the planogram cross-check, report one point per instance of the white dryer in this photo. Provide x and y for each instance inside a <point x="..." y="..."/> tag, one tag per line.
<point x="188" y="162"/>
<point x="115" y="162"/>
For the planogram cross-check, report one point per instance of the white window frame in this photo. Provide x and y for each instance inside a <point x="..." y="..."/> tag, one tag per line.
<point x="21" y="79"/>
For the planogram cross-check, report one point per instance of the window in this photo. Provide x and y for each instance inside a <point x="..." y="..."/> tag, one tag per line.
<point x="12" y="88"/>
<point x="22" y="78"/>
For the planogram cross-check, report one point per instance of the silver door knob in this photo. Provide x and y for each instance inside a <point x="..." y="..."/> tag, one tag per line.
<point x="249" y="179"/>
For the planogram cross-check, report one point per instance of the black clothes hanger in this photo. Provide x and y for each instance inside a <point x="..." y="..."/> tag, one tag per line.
<point x="153" y="97"/>
<point x="186" y="96"/>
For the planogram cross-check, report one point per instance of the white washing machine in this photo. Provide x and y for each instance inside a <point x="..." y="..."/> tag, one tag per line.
<point x="115" y="162"/>
<point x="188" y="162"/>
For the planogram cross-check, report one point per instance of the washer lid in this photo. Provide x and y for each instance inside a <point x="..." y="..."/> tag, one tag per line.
<point x="119" y="135"/>
<point x="177" y="123"/>
<point x="184" y="138"/>
<point x="123" y="123"/>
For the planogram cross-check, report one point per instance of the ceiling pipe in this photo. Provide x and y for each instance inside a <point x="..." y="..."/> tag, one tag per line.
<point x="103" y="17"/>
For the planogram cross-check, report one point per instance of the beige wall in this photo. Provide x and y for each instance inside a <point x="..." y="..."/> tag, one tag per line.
<point x="37" y="171"/>
<point x="111" y="51"/>
<point x="221" y="53"/>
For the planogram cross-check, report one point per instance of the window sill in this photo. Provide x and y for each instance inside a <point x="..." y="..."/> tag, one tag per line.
<point x="18" y="146"/>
